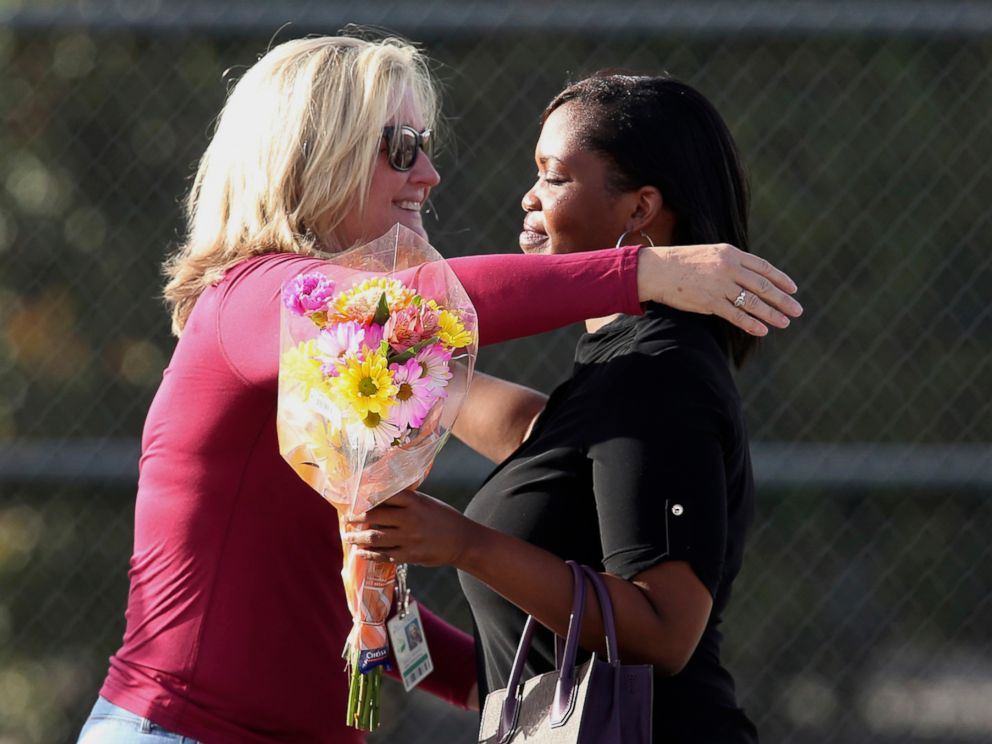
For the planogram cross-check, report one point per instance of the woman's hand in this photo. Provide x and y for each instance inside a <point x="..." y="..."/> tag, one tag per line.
<point x="708" y="279"/>
<point x="411" y="527"/>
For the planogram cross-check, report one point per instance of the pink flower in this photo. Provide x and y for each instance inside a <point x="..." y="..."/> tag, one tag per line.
<point x="402" y="330"/>
<point x="373" y="335"/>
<point x="338" y="339"/>
<point x="435" y="361"/>
<point x="429" y="319"/>
<point x="409" y="326"/>
<point x="415" y="397"/>
<point x="308" y="293"/>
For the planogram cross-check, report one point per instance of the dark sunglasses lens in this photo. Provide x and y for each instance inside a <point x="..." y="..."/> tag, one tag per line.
<point x="405" y="149"/>
<point x="403" y="144"/>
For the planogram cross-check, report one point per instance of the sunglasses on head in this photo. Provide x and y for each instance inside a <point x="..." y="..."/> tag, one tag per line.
<point x="403" y="144"/>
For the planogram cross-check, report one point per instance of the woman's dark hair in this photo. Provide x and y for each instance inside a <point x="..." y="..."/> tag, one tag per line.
<point x="657" y="131"/>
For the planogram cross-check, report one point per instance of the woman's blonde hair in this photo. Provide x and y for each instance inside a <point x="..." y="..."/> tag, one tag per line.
<point x="292" y="153"/>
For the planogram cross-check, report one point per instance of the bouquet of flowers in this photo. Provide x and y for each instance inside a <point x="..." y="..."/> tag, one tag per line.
<point x="367" y="396"/>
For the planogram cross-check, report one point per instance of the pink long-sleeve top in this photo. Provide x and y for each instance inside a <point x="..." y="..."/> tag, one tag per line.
<point x="236" y="613"/>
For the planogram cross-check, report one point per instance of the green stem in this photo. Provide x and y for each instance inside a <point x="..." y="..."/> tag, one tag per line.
<point x="365" y="715"/>
<point x="412" y="351"/>
<point x="363" y="701"/>
<point x="353" y="688"/>
<point x="364" y="695"/>
<point x="376" y="685"/>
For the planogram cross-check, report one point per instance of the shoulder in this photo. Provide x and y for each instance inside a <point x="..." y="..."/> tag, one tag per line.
<point x="695" y="338"/>
<point x="267" y="271"/>
<point x="245" y="308"/>
<point x="670" y="368"/>
<point x="671" y="353"/>
<point x="257" y="282"/>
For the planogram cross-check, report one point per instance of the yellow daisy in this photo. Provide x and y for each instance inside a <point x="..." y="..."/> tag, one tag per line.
<point x="452" y="332"/>
<point x="322" y="439"/>
<point x="324" y="444"/>
<point x="365" y="385"/>
<point x="299" y="365"/>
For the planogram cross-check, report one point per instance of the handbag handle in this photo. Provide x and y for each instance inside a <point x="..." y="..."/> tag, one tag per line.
<point x="565" y="688"/>
<point x="606" y="610"/>
<point x="514" y="686"/>
<point x="609" y="625"/>
<point x="564" y="697"/>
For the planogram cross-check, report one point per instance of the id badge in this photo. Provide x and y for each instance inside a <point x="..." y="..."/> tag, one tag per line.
<point x="406" y="636"/>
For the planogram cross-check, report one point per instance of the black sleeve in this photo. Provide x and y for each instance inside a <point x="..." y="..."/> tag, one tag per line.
<point x="658" y="471"/>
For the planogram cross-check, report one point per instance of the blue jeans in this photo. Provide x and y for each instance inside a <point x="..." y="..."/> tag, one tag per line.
<point x="111" y="724"/>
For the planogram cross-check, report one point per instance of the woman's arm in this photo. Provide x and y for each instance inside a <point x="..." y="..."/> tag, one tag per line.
<point x="497" y="416"/>
<point x="521" y="295"/>
<point x="660" y="613"/>
<point x="524" y="295"/>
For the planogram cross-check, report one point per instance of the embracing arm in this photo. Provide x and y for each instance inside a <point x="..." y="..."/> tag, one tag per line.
<point x="521" y="295"/>
<point x="524" y="295"/>
<point x="497" y="416"/>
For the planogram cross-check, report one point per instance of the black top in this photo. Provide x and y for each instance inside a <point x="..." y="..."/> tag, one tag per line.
<point x="640" y="457"/>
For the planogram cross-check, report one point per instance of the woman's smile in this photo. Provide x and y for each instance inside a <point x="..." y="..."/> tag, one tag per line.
<point x="533" y="235"/>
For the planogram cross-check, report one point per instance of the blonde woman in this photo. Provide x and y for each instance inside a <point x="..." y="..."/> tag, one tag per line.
<point x="236" y="615"/>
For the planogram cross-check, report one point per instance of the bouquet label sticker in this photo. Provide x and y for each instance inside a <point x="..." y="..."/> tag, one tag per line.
<point x="323" y="405"/>
<point x="406" y="635"/>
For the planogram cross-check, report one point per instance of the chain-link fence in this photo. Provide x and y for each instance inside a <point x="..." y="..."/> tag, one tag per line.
<point x="862" y="614"/>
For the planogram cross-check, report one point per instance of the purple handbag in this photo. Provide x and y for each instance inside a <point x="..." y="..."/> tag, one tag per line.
<point x="599" y="702"/>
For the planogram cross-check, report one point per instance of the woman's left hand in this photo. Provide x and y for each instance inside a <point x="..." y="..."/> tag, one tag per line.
<point x="411" y="527"/>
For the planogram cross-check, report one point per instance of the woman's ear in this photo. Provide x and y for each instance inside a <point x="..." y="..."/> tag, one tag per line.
<point x="650" y="217"/>
<point x="647" y="207"/>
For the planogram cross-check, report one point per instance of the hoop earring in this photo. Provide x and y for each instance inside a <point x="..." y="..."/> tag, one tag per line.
<point x="624" y="235"/>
